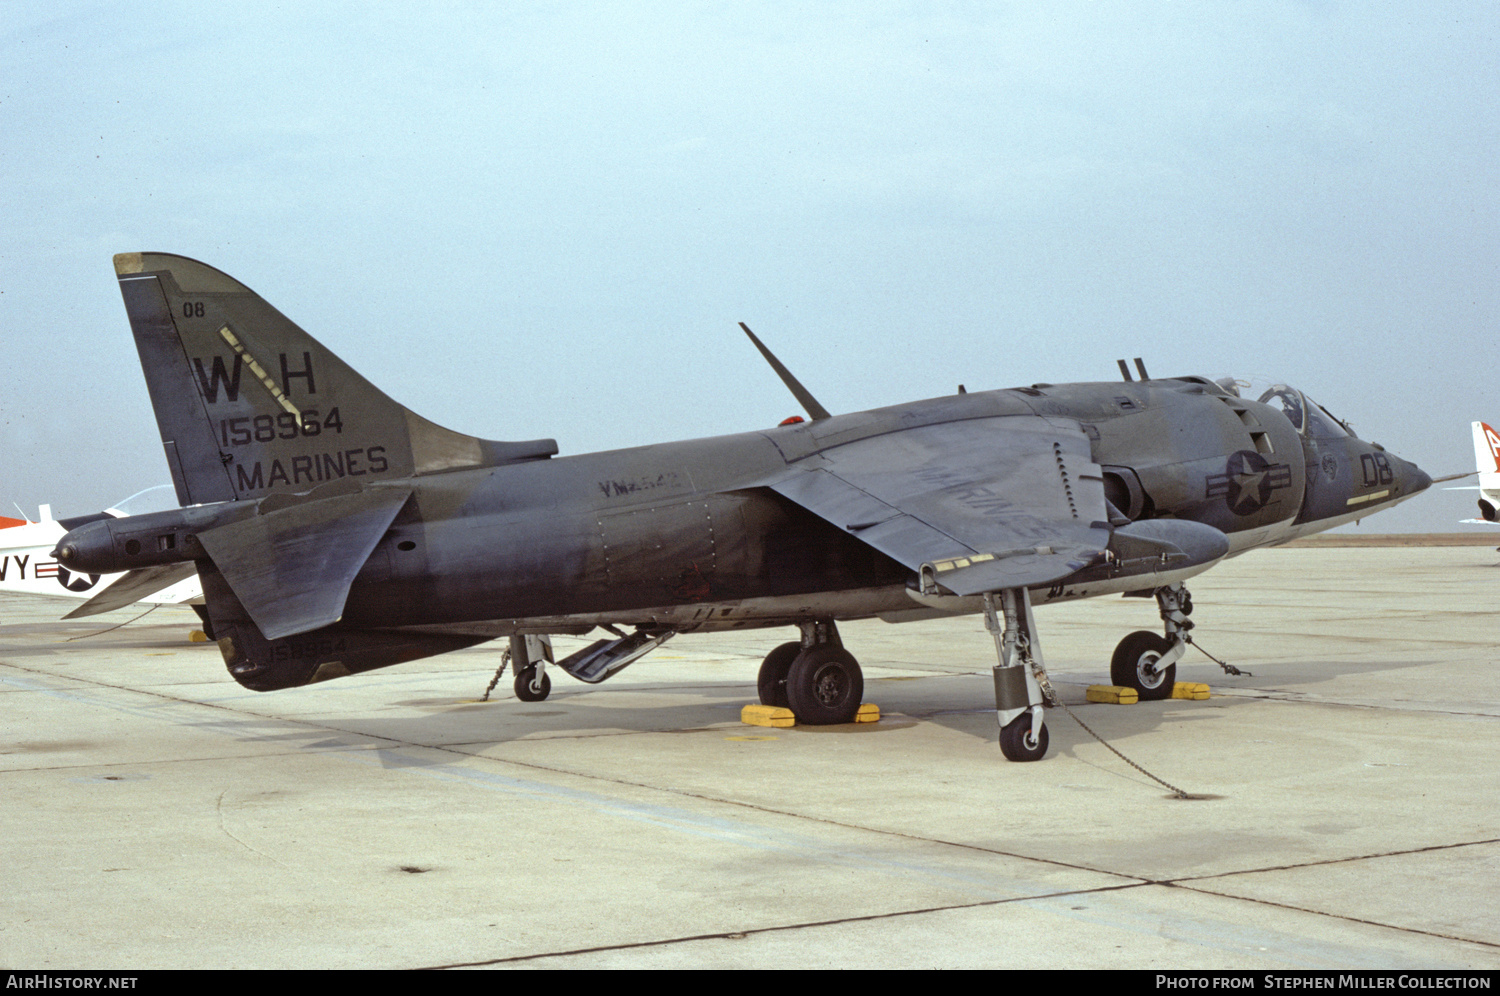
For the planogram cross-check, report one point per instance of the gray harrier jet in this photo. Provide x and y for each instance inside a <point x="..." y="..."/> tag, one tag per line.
<point x="335" y="531"/>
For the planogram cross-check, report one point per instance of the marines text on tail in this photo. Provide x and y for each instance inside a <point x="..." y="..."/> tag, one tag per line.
<point x="335" y="531"/>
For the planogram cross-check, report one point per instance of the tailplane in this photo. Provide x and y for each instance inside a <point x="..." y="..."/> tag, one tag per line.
<point x="249" y="404"/>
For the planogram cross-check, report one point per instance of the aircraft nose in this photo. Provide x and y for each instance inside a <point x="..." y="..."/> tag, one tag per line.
<point x="1411" y="477"/>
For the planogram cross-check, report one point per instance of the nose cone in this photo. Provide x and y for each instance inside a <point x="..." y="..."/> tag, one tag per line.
<point x="1409" y="478"/>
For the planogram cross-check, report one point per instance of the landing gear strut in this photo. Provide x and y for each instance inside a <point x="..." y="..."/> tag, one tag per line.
<point x="1021" y="685"/>
<point x="530" y="656"/>
<point x="1147" y="662"/>
<point x="816" y="678"/>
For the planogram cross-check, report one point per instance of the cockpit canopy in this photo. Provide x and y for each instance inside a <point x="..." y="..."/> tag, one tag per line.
<point x="1306" y="415"/>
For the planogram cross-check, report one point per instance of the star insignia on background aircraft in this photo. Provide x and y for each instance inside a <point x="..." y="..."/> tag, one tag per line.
<point x="28" y="567"/>
<point x="335" y="531"/>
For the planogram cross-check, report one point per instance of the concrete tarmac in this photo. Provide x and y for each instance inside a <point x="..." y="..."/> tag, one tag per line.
<point x="156" y="815"/>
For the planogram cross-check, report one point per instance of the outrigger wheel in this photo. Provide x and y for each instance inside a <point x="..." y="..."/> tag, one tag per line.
<point x="1017" y="743"/>
<point x="529" y="688"/>
<point x="1134" y="665"/>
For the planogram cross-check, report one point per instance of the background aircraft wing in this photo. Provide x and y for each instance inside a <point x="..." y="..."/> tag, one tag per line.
<point x="133" y="586"/>
<point x="984" y="504"/>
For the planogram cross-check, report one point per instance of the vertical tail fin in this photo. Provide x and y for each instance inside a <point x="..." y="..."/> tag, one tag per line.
<point x="1486" y="449"/>
<point x="1487" y="460"/>
<point x="249" y="404"/>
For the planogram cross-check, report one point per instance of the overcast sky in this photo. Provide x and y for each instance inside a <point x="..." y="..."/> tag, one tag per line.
<point x="526" y="220"/>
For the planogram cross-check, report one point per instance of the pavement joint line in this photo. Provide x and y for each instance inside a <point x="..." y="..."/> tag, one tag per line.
<point x="1337" y="861"/>
<point x="1336" y="916"/>
<point x="451" y="748"/>
<point x="729" y="935"/>
<point x="399" y="744"/>
<point x="757" y="807"/>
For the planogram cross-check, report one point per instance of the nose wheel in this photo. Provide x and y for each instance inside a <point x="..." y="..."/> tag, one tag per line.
<point x="1147" y="662"/>
<point x="1137" y="664"/>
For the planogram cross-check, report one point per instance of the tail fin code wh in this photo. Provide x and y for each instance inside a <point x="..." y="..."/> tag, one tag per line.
<point x="249" y="404"/>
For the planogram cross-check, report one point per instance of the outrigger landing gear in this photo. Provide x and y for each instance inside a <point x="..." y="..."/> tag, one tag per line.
<point x="1147" y="662"/>
<point x="529" y="657"/>
<point x="1021" y="685"/>
<point x="816" y="678"/>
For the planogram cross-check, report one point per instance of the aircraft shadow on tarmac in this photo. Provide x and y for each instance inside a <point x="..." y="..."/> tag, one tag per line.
<point x="640" y="709"/>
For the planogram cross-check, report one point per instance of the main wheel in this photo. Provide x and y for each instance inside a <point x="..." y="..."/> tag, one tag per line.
<point x="773" y="671"/>
<point x="1134" y="665"/>
<point x="528" y="688"/>
<point x="825" y="686"/>
<point x="1017" y="743"/>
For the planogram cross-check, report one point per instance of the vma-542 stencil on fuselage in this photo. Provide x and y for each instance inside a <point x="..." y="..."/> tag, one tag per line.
<point x="335" y="531"/>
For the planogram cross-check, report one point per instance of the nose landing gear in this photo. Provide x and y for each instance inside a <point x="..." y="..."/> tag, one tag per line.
<point x="1147" y="662"/>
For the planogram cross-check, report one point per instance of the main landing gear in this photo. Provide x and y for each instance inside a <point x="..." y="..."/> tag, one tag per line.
<point x="822" y="684"/>
<point x="816" y="678"/>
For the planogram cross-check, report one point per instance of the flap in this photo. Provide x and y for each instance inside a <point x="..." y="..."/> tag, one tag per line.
<point x="291" y="568"/>
<point x="133" y="586"/>
<point x="977" y="505"/>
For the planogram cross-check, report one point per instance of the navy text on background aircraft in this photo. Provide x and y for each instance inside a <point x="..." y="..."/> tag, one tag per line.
<point x="335" y="531"/>
<point x="28" y="567"/>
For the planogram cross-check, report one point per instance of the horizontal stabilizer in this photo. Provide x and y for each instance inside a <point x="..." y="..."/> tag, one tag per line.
<point x="606" y="658"/>
<point x="291" y="568"/>
<point x="132" y="587"/>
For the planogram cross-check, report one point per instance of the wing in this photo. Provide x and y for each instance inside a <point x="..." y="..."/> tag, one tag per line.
<point x="977" y="505"/>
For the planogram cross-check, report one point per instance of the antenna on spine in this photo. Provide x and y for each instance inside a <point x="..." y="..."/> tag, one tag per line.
<point x="803" y="396"/>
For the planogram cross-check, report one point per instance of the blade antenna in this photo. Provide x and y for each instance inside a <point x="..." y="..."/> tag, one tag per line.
<point x="804" y="398"/>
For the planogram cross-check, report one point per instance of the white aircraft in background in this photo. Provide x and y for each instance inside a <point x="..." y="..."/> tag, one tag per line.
<point x="28" y="567"/>
<point x="1487" y="460"/>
